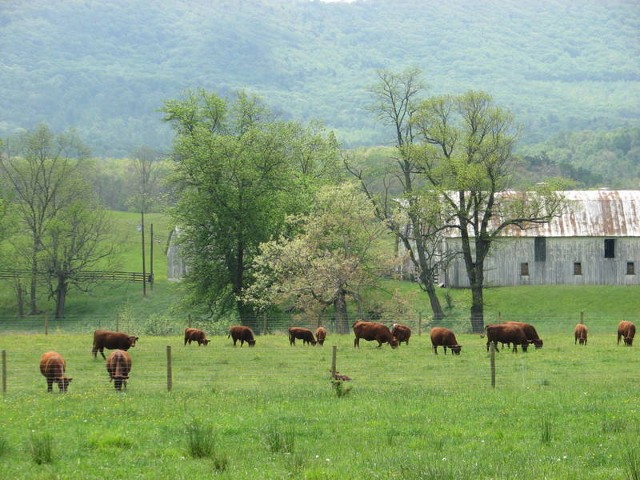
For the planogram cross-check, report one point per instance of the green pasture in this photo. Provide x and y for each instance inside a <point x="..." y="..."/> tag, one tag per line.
<point x="272" y="412"/>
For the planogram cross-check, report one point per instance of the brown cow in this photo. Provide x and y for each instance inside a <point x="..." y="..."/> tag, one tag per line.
<point x="507" y="333"/>
<point x="303" y="334"/>
<point x="444" y="337"/>
<point x="195" y="335"/>
<point x="373" y="331"/>
<point x="530" y="332"/>
<point x="53" y="366"/>
<point x="242" y="333"/>
<point x="580" y="334"/>
<point x="321" y="335"/>
<point x="626" y="330"/>
<point x="112" y="340"/>
<point x="119" y="367"/>
<point x="401" y="332"/>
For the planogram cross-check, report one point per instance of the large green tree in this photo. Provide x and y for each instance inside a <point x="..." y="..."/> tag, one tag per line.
<point x="239" y="172"/>
<point x="465" y="154"/>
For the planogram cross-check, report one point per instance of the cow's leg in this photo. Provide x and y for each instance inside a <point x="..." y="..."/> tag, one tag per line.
<point x="435" y="349"/>
<point x="49" y="385"/>
<point x="356" y="342"/>
<point x="102" y="353"/>
<point x="445" y="349"/>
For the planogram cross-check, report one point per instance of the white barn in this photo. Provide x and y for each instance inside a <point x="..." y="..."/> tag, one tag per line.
<point x="596" y="241"/>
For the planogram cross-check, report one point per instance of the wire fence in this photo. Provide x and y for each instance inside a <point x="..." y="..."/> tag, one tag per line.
<point x="163" y="363"/>
<point x="278" y="324"/>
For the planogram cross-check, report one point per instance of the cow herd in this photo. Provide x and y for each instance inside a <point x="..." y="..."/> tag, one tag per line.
<point x="118" y="363"/>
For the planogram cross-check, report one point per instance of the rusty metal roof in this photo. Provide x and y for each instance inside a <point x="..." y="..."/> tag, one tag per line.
<point x="592" y="213"/>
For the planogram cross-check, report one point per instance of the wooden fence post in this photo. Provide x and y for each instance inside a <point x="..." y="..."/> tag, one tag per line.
<point x="169" y="371"/>
<point x="334" y="356"/>
<point x="46" y="323"/>
<point x="4" y="372"/>
<point x="582" y="317"/>
<point x="189" y="321"/>
<point x="420" y="324"/>
<point x="492" y="360"/>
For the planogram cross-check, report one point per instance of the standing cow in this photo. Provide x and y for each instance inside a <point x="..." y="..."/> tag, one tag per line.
<point x="321" y="335"/>
<point x="507" y="333"/>
<point x="112" y="340"/>
<point x="626" y="330"/>
<point x="373" y="331"/>
<point x="53" y="366"/>
<point x="119" y="367"/>
<point x="530" y="332"/>
<point x="195" y="335"/>
<point x="444" y="337"/>
<point x="303" y="334"/>
<point x="242" y="333"/>
<point x="401" y="332"/>
<point x="580" y="334"/>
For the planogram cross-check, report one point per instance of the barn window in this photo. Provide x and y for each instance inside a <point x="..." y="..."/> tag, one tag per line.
<point x="540" y="249"/>
<point x="577" y="268"/>
<point x="631" y="268"/>
<point x="609" y="248"/>
<point x="524" y="269"/>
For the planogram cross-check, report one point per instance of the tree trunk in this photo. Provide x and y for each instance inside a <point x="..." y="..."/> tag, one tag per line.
<point x="61" y="297"/>
<point x="477" y="309"/>
<point x="33" y="306"/>
<point x="20" y="298"/>
<point x="341" y="314"/>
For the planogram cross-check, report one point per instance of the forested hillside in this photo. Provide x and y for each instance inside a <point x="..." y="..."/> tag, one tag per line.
<point x="105" y="68"/>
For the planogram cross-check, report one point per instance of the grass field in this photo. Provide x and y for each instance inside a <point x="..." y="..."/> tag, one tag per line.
<point x="563" y="412"/>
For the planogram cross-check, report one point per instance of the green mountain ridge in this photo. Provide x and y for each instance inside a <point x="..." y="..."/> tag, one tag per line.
<point x="105" y="68"/>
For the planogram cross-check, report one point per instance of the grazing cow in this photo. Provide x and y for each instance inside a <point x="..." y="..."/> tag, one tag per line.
<point x="373" y="331"/>
<point x="242" y="333"/>
<point x="195" y="335"/>
<point x="321" y="335"/>
<point x="52" y="366"/>
<point x="303" y="334"/>
<point x="580" y="334"/>
<point x="112" y="340"/>
<point x="401" y="332"/>
<point x="530" y="332"/>
<point x="444" y="337"/>
<point x="507" y="333"/>
<point x="119" y="367"/>
<point x="626" y="330"/>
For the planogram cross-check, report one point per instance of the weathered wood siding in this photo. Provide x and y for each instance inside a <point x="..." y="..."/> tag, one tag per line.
<point x="504" y="266"/>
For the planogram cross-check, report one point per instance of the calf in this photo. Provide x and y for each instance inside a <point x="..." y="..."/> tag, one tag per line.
<point x="303" y="334"/>
<point x="195" y="335"/>
<point x="242" y="333"/>
<point x="373" y="331"/>
<point x="401" y="332"/>
<point x="580" y="334"/>
<point x="507" y="333"/>
<point x="626" y="330"/>
<point x="444" y="337"/>
<point x="530" y="332"/>
<point x="112" y="340"/>
<point x="53" y="366"/>
<point x="321" y="335"/>
<point x="119" y="367"/>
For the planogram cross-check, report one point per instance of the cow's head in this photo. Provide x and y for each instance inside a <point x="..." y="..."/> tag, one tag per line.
<point x="251" y="342"/>
<point x="393" y="342"/>
<point x="132" y="340"/>
<point x="456" y="349"/>
<point x="628" y="341"/>
<point x="119" y="381"/>
<point x="537" y="343"/>
<point x="63" y="383"/>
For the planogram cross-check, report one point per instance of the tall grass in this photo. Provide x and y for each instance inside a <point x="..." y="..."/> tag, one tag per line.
<point x="41" y="447"/>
